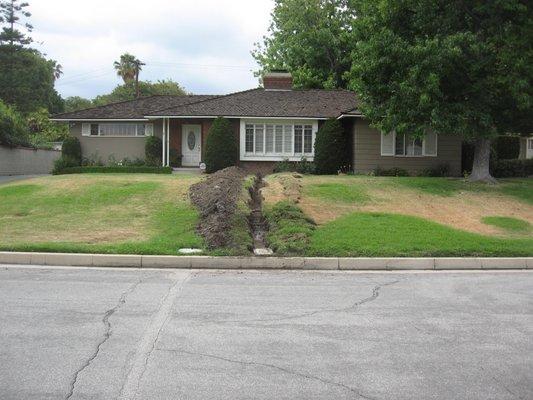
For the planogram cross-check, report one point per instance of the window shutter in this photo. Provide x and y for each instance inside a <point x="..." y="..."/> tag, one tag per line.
<point x="149" y="129"/>
<point x="85" y="129"/>
<point x="387" y="144"/>
<point x="430" y="144"/>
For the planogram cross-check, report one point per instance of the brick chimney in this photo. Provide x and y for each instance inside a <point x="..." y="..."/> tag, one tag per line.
<point x="277" y="80"/>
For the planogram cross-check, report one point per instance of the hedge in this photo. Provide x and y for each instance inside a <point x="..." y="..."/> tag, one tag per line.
<point x="512" y="168"/>
<point x="115" y="169"/>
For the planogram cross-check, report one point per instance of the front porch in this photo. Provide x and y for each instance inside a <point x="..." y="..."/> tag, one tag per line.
<point x="183" y="142"/>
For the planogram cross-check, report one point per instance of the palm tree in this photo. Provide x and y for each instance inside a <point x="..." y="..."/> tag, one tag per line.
<point x="127" y="67"/>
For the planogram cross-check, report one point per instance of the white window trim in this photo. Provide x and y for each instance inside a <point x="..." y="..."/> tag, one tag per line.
<point x="86" y="130"/>
<point x="393" y="154"/>
<point x="263" y="156"/>
<point x="529" y="151"/>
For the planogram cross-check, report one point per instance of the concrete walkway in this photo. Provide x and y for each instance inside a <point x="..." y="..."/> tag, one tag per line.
<point x="70" y="333"/>
<point x="12" y="178"/>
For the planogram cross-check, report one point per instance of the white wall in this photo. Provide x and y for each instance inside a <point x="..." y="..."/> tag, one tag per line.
<point x="24" y="161"/>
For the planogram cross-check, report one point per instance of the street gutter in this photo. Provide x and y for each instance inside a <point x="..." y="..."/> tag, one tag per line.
<point x="287" y="263"/>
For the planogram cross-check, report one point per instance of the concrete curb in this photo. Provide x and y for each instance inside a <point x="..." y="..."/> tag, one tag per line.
<point x="296" y="263"/>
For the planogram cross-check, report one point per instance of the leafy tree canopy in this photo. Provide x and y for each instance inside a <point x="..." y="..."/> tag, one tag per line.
<point x="27" y="80"/>
<point x="126" y="92"/>
<point x="311" y="39"/>
<point x="75" y="103"/>
<point x="458" y="67"/>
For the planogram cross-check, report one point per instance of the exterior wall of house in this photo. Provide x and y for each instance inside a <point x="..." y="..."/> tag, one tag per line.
<point x="367" y="152"/>
<point x="104" y="148"/>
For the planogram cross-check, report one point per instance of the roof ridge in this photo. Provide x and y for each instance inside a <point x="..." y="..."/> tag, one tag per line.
<point x="205" y="100"/>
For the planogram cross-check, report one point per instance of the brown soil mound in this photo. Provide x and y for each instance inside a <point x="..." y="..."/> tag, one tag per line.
<point x="216" y="199"/>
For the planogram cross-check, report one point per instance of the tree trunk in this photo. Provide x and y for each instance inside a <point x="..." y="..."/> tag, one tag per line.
<point x="480" y="168"/>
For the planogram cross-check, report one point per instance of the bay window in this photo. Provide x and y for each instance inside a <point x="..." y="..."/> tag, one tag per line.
<point x="402" y="145"/>
<point x="277" y="140"/>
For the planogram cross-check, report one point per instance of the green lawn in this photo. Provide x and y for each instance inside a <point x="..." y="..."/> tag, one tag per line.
<point x="103" y="213"/>
<point x="379" y="234"/>
<point x="508" y="223"/>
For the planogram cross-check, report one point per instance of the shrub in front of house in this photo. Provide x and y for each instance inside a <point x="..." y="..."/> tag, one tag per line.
<point x="113" y="170"/>
<point x="63" y="163"/>
<point x="303" y="166"/>
<point x="221" y="148"/>
<point x="390" y="172"/>
<point x="71" y="150"/>
<point x="512" y="168"/>
<point x="330" y="148"/>
<point x="441" y="170"/>
<point x="153" y="150"/>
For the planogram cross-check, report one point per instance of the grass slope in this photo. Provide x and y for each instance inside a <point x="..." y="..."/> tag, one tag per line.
<point x="508" y="223"/>
<point x="380" y="234"/>
<point x="138" y="214"/>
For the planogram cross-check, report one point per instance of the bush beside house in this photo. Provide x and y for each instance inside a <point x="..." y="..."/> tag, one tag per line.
<point x="153" y="150"/>
<point x="330" y="148"/>
<point x="221" y="148"/>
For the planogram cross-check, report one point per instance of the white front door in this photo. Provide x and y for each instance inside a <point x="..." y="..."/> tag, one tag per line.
<point x="191" y="145"/>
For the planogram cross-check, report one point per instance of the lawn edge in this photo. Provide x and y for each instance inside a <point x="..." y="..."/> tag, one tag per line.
<point x="286" y="263"/>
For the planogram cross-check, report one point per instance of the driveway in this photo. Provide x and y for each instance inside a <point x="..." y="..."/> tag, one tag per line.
<point x="12" y="178"/>
<point x="73" y="333"/>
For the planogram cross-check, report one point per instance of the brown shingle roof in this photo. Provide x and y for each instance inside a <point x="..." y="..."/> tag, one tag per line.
<point x="308" y="103"/>
<point x="132" y="109"/>
<point x="311" y="103"/>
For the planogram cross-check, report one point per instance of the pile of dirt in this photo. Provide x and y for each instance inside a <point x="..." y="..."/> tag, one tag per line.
<point x="216" y="199"/>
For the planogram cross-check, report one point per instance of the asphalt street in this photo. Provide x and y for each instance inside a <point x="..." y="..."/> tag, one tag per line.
<point x="81" y="333"/>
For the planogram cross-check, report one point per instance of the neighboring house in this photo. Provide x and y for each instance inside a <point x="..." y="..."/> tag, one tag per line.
<point x="272" y="124"/>
<point x="526" y="147"/>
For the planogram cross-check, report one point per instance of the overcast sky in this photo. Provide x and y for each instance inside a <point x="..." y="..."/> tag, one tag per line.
<point x="202" y="44"/>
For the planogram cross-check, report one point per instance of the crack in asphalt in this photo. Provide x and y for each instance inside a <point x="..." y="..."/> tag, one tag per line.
<point x="105" y="337"/>
<point x="276" y="367"/>
<point x="502" y="385"/>
<point x="150" y="338"/>
<point x="375" y="294"/>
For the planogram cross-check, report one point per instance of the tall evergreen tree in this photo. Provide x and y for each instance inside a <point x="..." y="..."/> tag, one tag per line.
<point x="11" y="12"/>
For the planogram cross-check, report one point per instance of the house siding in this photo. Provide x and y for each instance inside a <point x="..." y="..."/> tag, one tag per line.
<point x="104" y="148"/>
<point x="366" y="155"/>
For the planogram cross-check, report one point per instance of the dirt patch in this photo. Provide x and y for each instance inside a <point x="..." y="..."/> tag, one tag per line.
<point x="282" y="187"/>
<point x="216" y="199"/>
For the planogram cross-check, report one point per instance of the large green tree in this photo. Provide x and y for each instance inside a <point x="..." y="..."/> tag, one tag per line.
<point x="127" y="91"/>
<point x="26" y="76"/>
<point x="310" y="38"/>
<point x="452" y="66"/>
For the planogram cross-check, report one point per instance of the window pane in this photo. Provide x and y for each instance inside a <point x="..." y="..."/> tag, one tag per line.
<point x="287" y="139"/>
<point x="400" y="145"/>
<point x="430" y="147"/>
<point x="140" y="130"/>
<point x="258" y="138"/>
<point x="118" y="129"/>
<point x="249" y="139"/>
<point x="387" y="144"/>
<point x="414" y="147"/>
<point x="530" y="143"/>
<point x="279" y="139"/>
<point x="298" y="138"/>
<point x="308" y="139"/>
<point x="94" y="129"/>
<point x="269" y="139"/>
